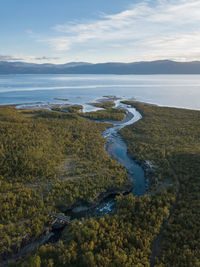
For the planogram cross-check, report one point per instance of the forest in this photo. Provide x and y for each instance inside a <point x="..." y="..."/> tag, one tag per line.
<point x="53" y="159"/>
<point x="171" y="137"/>
<point x="107" y="112"/>
<point x="48" y="160"/>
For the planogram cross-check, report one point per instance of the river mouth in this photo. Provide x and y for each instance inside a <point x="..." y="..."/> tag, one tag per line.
<point x="116" y="149"/>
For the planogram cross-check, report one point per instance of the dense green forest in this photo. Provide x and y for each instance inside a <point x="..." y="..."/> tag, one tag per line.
<point x="171" y="137"/>
<point x="48" y="160"/>
<point x="108" y="112"/>
<point x="122" y="239"/>
<point x="72" y="164"/>
<point x="68" y="108"/>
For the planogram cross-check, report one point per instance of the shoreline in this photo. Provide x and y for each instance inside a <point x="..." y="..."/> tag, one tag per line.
<point x="146" y="165"/>
<point x="48" y="106"/>
<point x="49" y="233"/>
<point x="41" y="105"/>
<point x="84" y="205"/>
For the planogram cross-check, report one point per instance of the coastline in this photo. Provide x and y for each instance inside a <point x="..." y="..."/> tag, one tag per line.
<point x="147" y="165"/>
<point x="84" y="206"/>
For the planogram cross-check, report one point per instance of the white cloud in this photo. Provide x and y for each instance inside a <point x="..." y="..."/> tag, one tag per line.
<point x="9" y="58"/>
<point x="61" y="43"/>
<point x="161" y="27"/>
<point x="45" y="58"/>
<point x="30" y="59"/>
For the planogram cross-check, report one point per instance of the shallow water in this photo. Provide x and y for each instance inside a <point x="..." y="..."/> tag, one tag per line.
<point x="116" y="148"/>
<point x="168" y="90"/>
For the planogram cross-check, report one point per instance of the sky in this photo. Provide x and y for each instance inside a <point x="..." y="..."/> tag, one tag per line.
<point x="61" y="31"/>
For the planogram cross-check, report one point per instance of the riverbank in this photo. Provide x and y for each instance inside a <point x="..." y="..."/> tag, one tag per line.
<point x="167" y="140"/>
<point x="50" y="141"/>
<point x="103" y="204"/>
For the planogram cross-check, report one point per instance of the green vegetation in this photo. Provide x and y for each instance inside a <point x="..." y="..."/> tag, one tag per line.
<point x="109" y="113"/>
<point x="74" y="108"/>
<point x="48" y="160"/>
<point x="68" y="108"/>
<point x="123" y="239"/>
<point x="104" y="104"/>
<point x="167" y="137"/>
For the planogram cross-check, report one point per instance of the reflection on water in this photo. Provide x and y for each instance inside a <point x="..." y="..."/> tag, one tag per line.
<point x="117" y="149"/>
<point x="171" y="90"/>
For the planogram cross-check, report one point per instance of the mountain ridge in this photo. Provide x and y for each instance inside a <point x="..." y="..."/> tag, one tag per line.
<point x="140" y="67"/>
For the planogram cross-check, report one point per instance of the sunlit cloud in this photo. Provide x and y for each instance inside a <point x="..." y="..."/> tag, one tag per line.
<point x="164" y="29"/>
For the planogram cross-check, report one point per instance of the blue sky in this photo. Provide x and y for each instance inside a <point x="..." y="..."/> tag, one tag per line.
<point x="60" y="31"/>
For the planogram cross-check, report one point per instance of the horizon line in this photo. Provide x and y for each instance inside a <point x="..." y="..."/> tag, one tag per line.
<point x="106" y="62"/>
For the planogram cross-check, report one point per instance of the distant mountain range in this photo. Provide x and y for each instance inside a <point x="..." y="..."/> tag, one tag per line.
<point x="145" y="67"/>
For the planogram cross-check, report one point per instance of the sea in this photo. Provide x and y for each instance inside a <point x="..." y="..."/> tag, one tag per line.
<point x="182" y="91"/>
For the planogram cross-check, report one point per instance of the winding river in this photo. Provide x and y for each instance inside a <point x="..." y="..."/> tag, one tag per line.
<point x="117" y="149"/>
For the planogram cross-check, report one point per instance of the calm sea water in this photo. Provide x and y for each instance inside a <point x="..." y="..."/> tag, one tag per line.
<point x="167" y="90"/>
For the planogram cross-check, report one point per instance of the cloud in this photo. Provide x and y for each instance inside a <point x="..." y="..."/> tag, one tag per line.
<point x="61" y="43"/>
<point x="9" y="58"/>
<point x="146" y="30"/>
<point x="46" y="58"/>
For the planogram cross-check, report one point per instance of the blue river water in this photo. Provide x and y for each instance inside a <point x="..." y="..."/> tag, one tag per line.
<point x="116" y="148"/>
